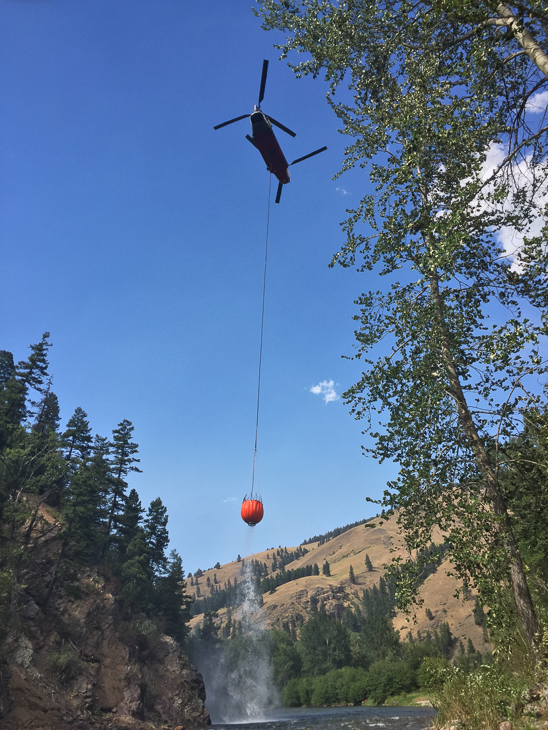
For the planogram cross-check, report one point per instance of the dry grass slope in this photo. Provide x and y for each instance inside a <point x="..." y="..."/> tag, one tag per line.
<point x="381" y="543"/>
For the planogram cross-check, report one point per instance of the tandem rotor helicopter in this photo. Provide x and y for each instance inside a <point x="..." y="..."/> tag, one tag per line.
<point x="265" y="140"/>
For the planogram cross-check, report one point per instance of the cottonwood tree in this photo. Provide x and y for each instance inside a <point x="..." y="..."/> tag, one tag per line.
<point x="451" y="345"/>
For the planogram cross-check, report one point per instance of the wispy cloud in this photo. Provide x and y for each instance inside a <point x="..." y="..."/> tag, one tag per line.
<point x="537" y="103"/>
<point x="342" y="191"/>
<point x="326" y="389"/>
<point x="230" y="499"/>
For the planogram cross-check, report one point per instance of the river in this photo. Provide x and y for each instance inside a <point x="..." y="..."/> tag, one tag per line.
<point x="343" y="718"/>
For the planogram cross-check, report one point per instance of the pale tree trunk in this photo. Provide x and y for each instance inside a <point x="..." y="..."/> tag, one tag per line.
<point x="522" y="596"/>
<point x="524" y="38"/>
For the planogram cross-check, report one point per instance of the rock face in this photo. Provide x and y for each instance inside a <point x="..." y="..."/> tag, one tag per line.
<point x="77" y="663"/>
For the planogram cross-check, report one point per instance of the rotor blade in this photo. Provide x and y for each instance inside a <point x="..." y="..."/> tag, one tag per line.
<point x="263" y="81"/>
<point x="237" y="119"/>
<point x="279" y="192"/>
<point x="300" y="159"/>
<point x="281" y="126"/>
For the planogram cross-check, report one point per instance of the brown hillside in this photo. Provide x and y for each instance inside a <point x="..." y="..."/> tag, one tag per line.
<point x="381" y="543"/>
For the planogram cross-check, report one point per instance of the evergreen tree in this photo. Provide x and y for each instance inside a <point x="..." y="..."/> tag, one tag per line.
<point x="77" y="439"/>
<point x="47" y="415"/>
<point x="136" y="577"/>
<point x="315" y="569"/>
<point x="122" y="463"/>
<point x="351" y="576"/>
<point x="83" y="513"/>
<point x="368" y="563"/>
<point x="172" y="599"/>
<point x="12" y="399"/>
<point x="33" y="372"/>
<point x="129" y="523"/>
<point x="326" y="570"/>
<point x="156" y="534"/>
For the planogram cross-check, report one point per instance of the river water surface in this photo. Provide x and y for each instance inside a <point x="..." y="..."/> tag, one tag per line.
<point x="345" y="718"/>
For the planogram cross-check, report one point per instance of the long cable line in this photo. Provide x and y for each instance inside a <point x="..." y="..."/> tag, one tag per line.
<point x="262" y="330"/>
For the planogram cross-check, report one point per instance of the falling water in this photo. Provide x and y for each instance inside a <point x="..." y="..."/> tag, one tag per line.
<point x="237" y="675"/>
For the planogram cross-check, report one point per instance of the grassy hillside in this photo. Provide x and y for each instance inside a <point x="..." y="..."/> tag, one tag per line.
<point x="381" y="543"/>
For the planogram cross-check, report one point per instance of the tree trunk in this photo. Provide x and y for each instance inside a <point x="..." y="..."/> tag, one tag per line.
<point x="524" y="38"/>
<point x="522" y="596"/>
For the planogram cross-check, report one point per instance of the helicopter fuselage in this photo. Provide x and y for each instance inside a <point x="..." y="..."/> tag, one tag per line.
<point x="265" y="141"/>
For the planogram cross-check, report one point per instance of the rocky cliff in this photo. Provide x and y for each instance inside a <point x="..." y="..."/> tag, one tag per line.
<point x="380" y="543"/>
<point x="71" y="659"/>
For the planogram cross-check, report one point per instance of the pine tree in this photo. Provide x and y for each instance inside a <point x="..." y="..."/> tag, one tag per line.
<point x="351" y="575"/>
<point x="12" y="399"/>
<point x="129" y="523"/>
<point x="326" y="570"/>
<point x="81" y="507"/>
<point x="33" y="372"/>
<point x="315" y="569"/>
<point x="368" y="563"/>
<point x="77" y="439"/>
<point x="172" y="599"/>
<point x="47" y="416"/>
<point x="122" y="463"/>
<point x="156" y="534"/>
<point x="136" y="577"/>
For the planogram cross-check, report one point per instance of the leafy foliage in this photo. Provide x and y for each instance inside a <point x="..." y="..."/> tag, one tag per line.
<point x="451" y="345"/>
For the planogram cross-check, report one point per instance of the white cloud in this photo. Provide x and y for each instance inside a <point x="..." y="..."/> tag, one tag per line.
<point x="537" y="103"/>
<point x="326" y="389"/>
<point x="342" y="191"/>
<point x="511" y="239"/>
<point x="230" y="499"/>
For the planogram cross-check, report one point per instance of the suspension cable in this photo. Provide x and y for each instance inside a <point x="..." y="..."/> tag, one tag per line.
<point x="261" y="345"/>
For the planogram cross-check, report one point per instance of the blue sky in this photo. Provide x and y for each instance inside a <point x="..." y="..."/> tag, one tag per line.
<point x="135" y="234"/>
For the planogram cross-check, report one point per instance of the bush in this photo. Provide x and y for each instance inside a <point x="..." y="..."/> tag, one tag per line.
<point x="387" y="678"/>
<point x="290" y="695"/>
<point x="65" y="663"/>
<point x="434" y="673"/>
<point x="480" y="700"/>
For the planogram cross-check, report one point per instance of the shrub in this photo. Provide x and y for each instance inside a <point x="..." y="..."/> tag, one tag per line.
<point x="434" y="673"/>
<point x="290" y="695"/>
<point x="65" y="663"/>
<point x="480" y="700"/>
<point x="387" y="678"/>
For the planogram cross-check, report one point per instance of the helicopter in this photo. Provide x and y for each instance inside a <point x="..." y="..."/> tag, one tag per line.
<point x="265" y="140"/>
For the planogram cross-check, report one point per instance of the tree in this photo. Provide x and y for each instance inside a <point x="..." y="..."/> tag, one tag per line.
<point x="351" y="576"/>
<point x="326" y="570"/>
<point x="325" y="644"/>
<point x="430" y="100"/>
<point x="47" y="416"/>
<point x="285" y="660"/>
<point x="136" y="577"/>
<point x="123" y="461"/>
<point x="368" y="563"/>
<point x="172" y="598"/>
<point x="130" y="524"/>
<point x="156" y="534"/>
<point x="82" y="508"/>
<point x="77" y="438"/>
<point x="12" y="399"/>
